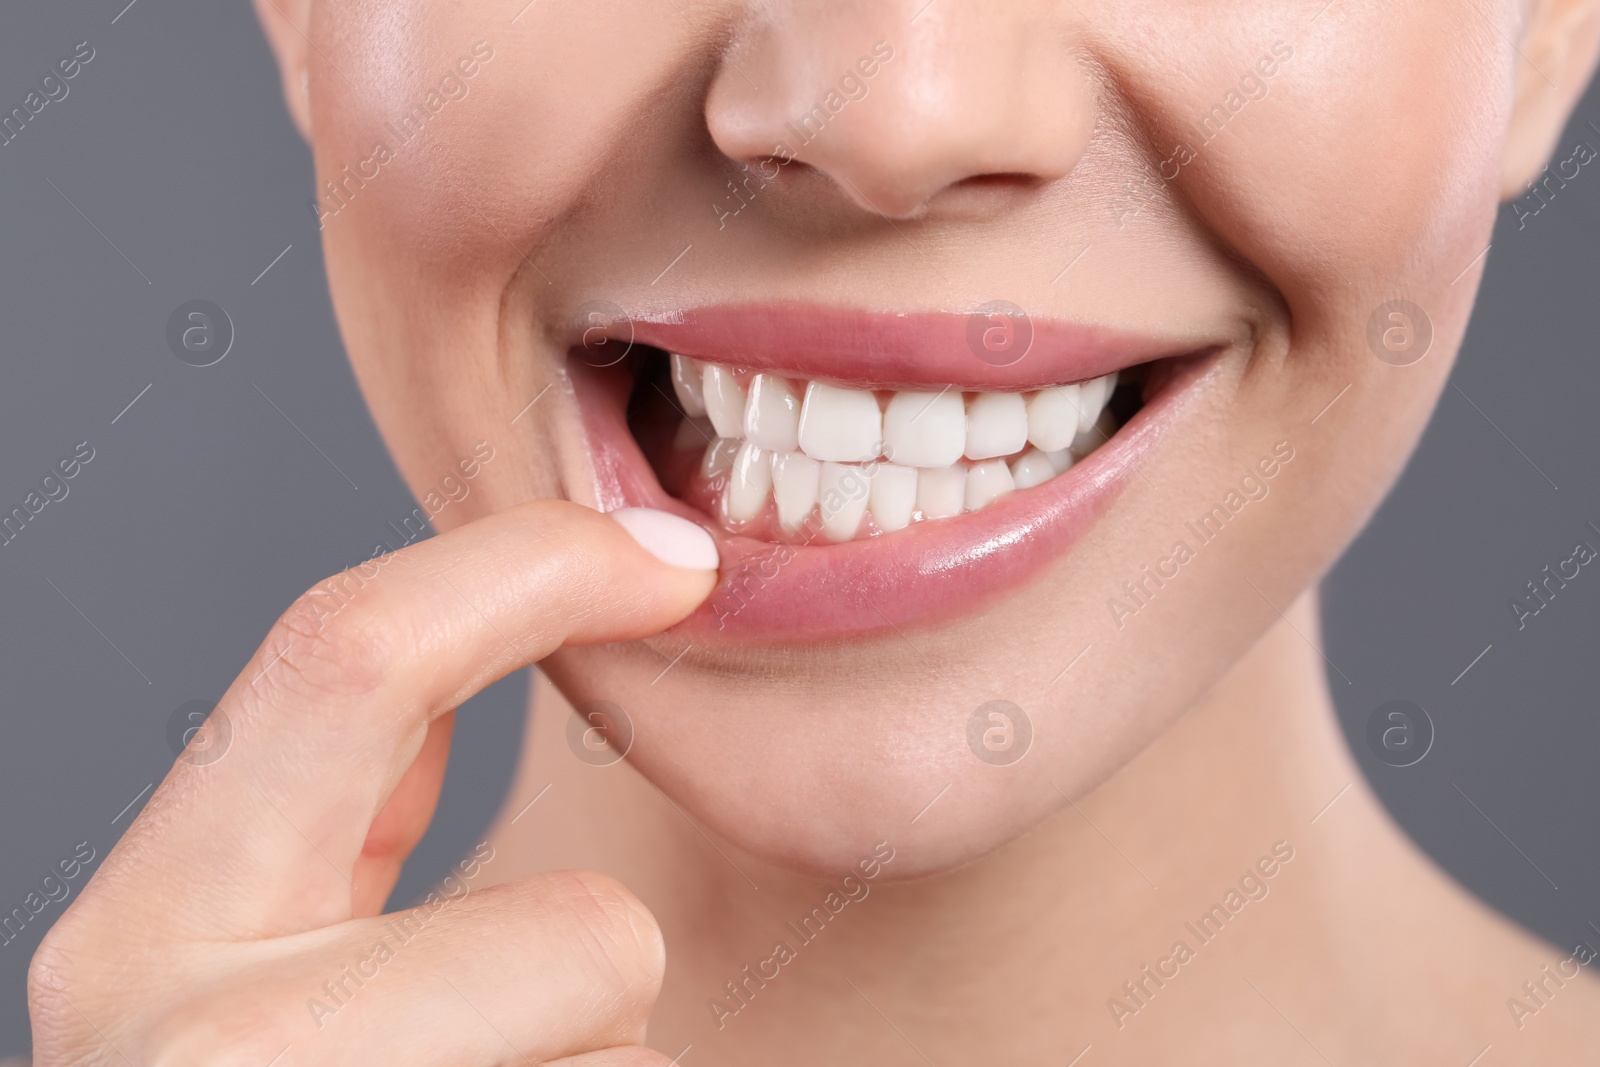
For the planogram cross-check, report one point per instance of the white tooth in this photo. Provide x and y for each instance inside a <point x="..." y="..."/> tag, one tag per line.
<point x="894" y="495"/>
<point x="1061" y="459"/>
<point x="693" y="433"/>
<point x="987" y="481"/>
<point x="1092" y="397"/>
<point x="925" y="429"/>
<point x="1032" y="468"/>
<point x="997" y="425"/>
<point x="772" y="414"/>
<point x="1053" y="417"/>
<point x="840" y="425"/>
<point x="941" y="491"/>
<point x="718" y="458"/>
<point x="688" y="382"/>
<point x="795" y="477"/>
<point x="842" y="489"/>
<point x="724" y="398"/>
<point x="750" y="482"/>
<point x="1096" y="435"/>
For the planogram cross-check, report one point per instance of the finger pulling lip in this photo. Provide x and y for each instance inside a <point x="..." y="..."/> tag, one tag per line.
<point x="927" y="573"/>
<point x="995" y="346"/>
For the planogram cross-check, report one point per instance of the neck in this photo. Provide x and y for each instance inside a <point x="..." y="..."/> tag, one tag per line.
<point x="1128" y="918"/>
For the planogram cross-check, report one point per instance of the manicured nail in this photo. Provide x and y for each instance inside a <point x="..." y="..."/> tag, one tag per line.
<point x="674" y="541"/>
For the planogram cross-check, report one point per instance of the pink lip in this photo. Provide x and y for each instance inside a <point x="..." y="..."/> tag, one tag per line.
<point x="902" y="349"/>
<point x="926" y="573"/>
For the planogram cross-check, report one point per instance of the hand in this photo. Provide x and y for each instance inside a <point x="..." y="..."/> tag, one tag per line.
<point x="250" y="881"/>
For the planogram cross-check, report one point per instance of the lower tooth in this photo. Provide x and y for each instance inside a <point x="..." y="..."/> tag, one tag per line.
<point x="719" y="457"/>
<point x="894" y="495"/>
<point x="986" y="482"/>
<point x="842" y="489"/>
<point x="1061" y="459"/>
<point x="1031" y="469"/>
<point x="749" y="483"/>
<point x="941" y="491"/>
<point x="795" y="478"/>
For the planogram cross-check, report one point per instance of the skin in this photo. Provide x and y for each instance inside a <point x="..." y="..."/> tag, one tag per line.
<point x="1176" y="753"/>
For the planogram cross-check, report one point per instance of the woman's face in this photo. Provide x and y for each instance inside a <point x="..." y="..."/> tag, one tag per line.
<point x="1223" y="202"/>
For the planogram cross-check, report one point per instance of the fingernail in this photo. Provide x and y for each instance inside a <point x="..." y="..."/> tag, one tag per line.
<point x="674" y="541"/>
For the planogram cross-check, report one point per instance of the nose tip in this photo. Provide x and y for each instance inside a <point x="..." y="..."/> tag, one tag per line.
<point x="988" y="102"/>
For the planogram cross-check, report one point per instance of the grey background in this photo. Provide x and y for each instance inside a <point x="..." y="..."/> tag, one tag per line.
<point x="206" y="508"/>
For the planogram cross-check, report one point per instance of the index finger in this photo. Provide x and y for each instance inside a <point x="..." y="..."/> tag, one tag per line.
<point x="336" y="702"/>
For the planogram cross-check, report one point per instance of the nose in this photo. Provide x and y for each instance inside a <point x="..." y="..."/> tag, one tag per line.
<point x="899" y="102"/>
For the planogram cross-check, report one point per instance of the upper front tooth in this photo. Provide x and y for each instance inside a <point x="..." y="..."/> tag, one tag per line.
<point x="1094" y="394"/>
<point x="925" y="429"/>
<point x="687" y="382"/>
<point x="749" y="483"/>
<point x="840" y="425"/>
<point x="1053" y="417"/>
<point x="772" y="414"/>
<point x="724" y="400"/>
<point x="997" y="425"/>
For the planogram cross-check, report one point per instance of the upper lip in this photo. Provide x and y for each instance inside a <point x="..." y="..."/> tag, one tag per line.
<point x="897" y="349"/>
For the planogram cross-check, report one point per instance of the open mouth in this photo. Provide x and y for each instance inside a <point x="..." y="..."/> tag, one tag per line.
<point x="785" y="459"/>
<point x="850" y="488"/>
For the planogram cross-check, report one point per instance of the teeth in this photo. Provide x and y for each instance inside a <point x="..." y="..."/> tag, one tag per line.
<point x="986" y="482"/>
<point x="1053" y="417"/>
<point x="997" y="425"/>
<point x="1094" y="436"/>
<point x="840" y="425"/>
<point x="795" y="478"/>
<point x="828" y="449"/>
<point x="724" y="400"/>
<point x="688" y="383"/>
<point x="1032" y="468"/>
<point x="718" y="458"/>
<point x="894" y="495"/>
<point x="772" y="414"/>
<point x="843" y="491"/>
<point x="925" y="429"/>
<point x="1094" y="394"/>
<point x="750" y="482"/>
<point x="941" y="491"/>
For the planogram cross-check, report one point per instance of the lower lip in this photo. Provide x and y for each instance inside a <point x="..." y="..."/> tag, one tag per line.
<point x="927" y="573"/>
